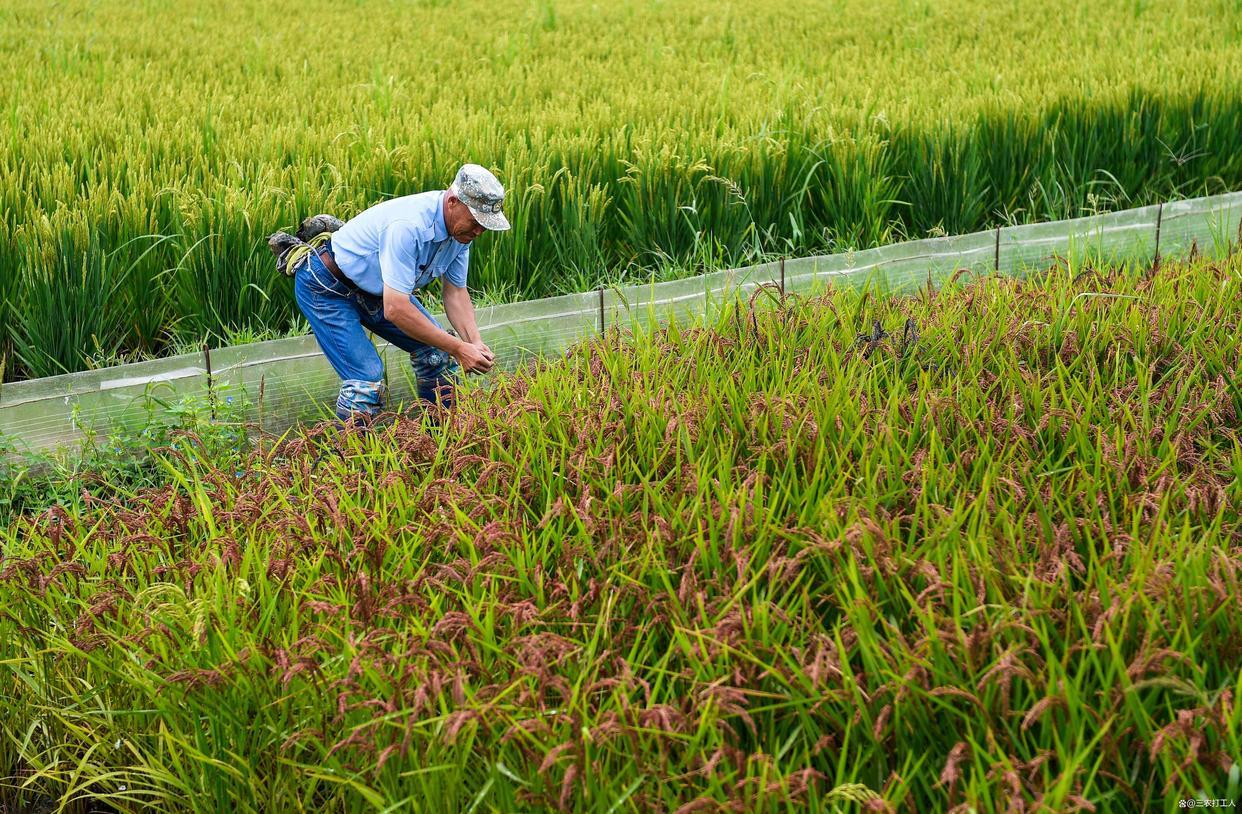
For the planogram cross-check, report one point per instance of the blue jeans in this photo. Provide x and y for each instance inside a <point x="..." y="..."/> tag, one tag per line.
<point x="339" y="316"/>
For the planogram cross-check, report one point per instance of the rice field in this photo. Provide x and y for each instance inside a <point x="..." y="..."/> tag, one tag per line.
<point x="973" y="550"/>
<point x="150" y="147"/>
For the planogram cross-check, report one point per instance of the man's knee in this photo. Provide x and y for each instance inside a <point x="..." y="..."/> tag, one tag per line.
<point x="432" y="363"/>
<point x="358" y="396"/>
<point x="435" y="371"/>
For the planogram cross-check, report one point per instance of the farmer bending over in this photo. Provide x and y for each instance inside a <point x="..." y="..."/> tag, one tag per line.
<point x="364" y="275"/>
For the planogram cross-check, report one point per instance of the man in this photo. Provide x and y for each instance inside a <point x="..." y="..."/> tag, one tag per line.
<point x="363" y="277"/>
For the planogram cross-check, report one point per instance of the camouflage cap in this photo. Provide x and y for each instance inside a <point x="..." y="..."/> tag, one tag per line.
<point x="479" y="190"/>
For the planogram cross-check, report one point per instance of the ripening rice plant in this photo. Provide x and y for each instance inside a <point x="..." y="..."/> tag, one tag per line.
<point x="142" y="169"/>
<point x="974" y="549"/>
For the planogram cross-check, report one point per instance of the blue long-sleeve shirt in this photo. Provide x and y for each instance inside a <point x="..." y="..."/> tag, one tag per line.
<point x="402" y="243"/>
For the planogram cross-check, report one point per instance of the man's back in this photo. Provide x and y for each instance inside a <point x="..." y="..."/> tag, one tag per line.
<point x="408" y="235"/>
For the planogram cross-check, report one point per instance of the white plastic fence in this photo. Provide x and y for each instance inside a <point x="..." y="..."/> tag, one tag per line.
<point x="287" y="380"/>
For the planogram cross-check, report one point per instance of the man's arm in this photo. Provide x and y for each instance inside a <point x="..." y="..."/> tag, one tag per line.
<point x="460" y="312"/>
<point x="457" y="305"/>
<point x="398" y="266"/>
<point x="412" y="323"/>
<point x="401" y="312"/>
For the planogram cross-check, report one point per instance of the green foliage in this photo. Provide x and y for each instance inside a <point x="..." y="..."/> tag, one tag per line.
<point x="975" y="548"/>
<point x="141" y="171"/>
<point x="127" y="459"/>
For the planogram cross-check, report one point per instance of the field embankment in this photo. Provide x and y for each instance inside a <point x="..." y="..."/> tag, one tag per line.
<point x="150" y="148"/>
<point x="978" y="546"/>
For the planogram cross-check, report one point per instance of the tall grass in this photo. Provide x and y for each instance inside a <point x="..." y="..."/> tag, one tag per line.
<point x="974" y="548"/>
<point x="629" y="134"/>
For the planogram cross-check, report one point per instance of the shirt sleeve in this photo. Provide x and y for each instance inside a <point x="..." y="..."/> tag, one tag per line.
<point x="456" y="272"/>
<point x="398" y="255"/>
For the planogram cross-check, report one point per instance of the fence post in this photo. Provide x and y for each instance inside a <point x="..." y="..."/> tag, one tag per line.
<point x="211" y="398"/>
<point x="1159" y="222"/>
<point x="262" y="383"/>
<point x="782" y="279"/>
<point x="601" y="311"/>
<point x="996" y="261"/>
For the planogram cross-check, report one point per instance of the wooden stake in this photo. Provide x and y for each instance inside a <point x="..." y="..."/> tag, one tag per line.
<point x="262" y="383"/>
<point x="211" y="398"/>
<point x="1159" y="222"/>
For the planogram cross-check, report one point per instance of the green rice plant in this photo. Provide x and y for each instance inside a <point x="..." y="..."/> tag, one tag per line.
<point x="970" y="547"/>
<point x="62" y="317"/>
<point x="730" y="133"/>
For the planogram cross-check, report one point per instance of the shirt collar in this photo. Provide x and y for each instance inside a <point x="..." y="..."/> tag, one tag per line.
<point x="439" y="230"/>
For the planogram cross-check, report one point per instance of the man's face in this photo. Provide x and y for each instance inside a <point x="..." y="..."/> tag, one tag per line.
<point x="461" y="225"/>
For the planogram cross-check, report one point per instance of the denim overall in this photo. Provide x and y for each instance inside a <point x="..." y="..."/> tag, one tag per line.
<point x="340" y="316"/>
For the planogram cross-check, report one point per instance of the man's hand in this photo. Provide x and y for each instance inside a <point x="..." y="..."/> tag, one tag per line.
<point x="474" y="357"/>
